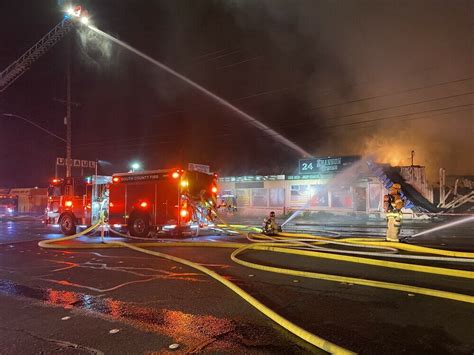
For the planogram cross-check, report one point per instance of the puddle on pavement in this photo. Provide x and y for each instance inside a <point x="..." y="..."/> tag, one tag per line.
<point x="196" y="332"/>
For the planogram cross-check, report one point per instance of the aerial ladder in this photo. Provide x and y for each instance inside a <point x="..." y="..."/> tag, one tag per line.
<point x="22" y="64"/>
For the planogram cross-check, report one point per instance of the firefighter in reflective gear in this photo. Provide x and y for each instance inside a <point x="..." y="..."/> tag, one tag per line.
<point x="207" y="206"/>
<point x="393" y="205"/>
<point x="270" y="226"/>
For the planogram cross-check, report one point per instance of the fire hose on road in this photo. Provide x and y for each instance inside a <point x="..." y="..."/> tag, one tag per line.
<point x="302" y="245"/>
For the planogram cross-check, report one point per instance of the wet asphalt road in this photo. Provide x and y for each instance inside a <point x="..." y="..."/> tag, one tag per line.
<point x="116" y="301"/>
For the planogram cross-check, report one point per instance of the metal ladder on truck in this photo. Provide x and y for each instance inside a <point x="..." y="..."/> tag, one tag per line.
<point x="10" y="74"/>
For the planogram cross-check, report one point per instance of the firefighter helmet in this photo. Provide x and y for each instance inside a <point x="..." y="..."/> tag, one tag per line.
<point x="396" y="186"/>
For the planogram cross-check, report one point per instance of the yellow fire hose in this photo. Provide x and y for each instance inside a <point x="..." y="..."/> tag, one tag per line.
<point x="287" y="245"/>
<point x="352" y="280"/>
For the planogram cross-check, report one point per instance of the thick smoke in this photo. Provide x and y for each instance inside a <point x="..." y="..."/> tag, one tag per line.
<point x="312" y="70"/>
<point x="381" y="60"/>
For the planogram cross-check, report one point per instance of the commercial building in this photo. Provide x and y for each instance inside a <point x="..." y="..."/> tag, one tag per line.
<point x="333" y="184"/>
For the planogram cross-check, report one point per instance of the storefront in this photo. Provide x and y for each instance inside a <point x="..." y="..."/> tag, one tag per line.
<point x="326" y="184"/>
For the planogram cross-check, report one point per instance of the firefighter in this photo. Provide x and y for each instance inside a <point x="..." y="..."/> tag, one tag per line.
<point x="393" y="205"/>
<point x="269" y="225"/>
<point x="207" y="206"/>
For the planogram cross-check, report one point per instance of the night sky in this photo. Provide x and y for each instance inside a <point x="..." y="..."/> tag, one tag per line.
<point x="336" y="77"/>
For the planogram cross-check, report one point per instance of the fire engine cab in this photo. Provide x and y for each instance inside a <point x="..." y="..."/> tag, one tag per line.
<point x="76" y="201"/>
<point x="161" y="200"/>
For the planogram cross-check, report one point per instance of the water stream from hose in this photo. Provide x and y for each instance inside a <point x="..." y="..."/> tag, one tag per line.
<point x="444" y="226"/>
<point x="246" y="117"/>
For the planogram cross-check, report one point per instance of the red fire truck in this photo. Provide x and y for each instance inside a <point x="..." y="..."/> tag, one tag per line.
<point x="76" y="201"/>
<point x="142" y="202"/>
<point x="8" y="204"/>
<point x="161" y="200"/>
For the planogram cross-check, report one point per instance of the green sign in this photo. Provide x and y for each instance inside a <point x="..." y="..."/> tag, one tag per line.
<point x="325" y="165"/>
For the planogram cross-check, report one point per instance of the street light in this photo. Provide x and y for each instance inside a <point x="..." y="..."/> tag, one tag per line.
<point x="135" y="166"/>
<point x="34" y="124"/>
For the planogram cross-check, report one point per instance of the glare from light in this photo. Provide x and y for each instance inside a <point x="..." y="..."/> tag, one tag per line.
<point x="70" y="11"/>
<point x="184" y="183"/>
<point x="135" y="166"/>
<point x="85" y="20"/>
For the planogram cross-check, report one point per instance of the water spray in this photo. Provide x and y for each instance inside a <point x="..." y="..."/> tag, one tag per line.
<point x="343" y="177"/>
<point x="249" y="119"/>
<point x="444" y="226"/>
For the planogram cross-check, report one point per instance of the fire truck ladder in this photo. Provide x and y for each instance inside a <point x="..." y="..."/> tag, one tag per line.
<point x="22" y="64"/>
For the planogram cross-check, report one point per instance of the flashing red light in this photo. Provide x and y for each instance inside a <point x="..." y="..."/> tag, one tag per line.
<point x="214" y="190"/>
<point x="144" y="204"/>
<point x="68" y="203"/>
<point x="175" y="175"/>
<point x="111" y="204"/>
<point x="116" y="179"/>
<point x="55" y="181"/>
<point x="183" y="213"/>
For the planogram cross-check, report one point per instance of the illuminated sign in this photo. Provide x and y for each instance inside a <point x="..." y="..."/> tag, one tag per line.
<point x="251" y="178"/>
<point x="199" y="167"/>
<point x="325" y="165"/>
<point x="77" y="163"/>
<point x="147" y="177"/>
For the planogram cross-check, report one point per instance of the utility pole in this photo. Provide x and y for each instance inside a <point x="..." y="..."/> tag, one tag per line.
<point x="68" y="103"/>
<point x="68" y="112"/>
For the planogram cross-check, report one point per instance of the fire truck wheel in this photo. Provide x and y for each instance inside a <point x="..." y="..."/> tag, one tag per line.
<point x="139" y="226"/>
<point x="68" y="225"/>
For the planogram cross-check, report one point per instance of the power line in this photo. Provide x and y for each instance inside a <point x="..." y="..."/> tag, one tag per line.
<point x="124" y="144"/>
<point x="396" y="116"/>
<point x="327" y="106"/>
<point x="129" y="147"/>
<point x="209" y="54"/>
<point x="302" y="123"/>
<point x="393" y="116"/>
<point x="217" y="57"/>
<point x="240" y="62"/>
<point x="243" y="98"/>
<point x="125" y="140"/>
<point x="390" y="94"/>
<point x="417" y="118"/>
